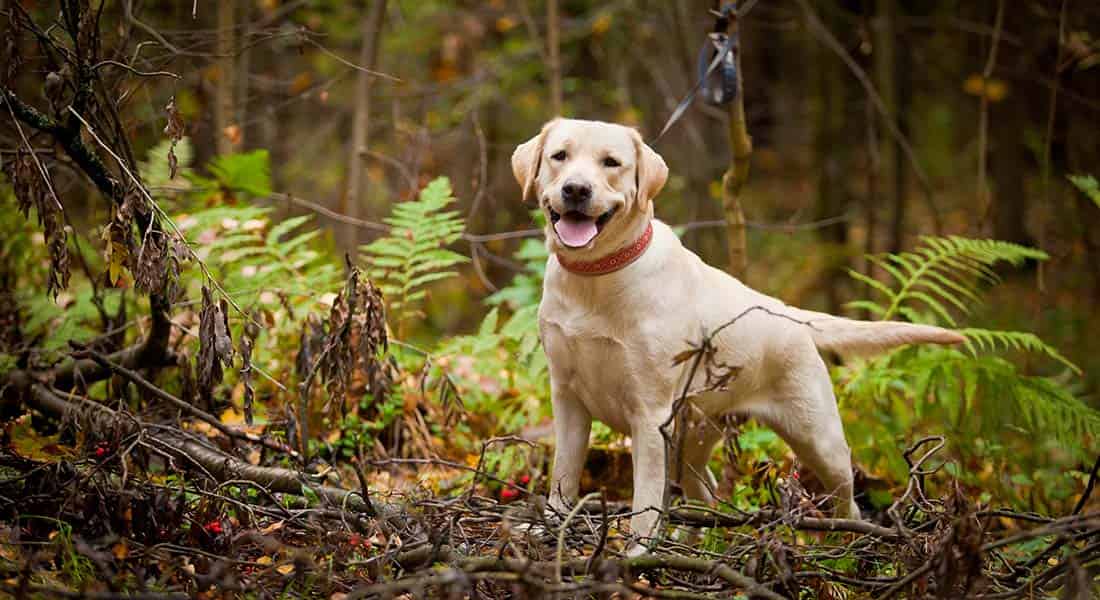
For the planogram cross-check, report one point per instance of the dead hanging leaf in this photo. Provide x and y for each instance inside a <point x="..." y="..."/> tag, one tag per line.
<point x="116" y="254"/>
<point x="150" y="265"/>
<point x="174" y="130"/>
<point x="118" y="248"/>
<point x="356" y="334"/>
<point x="32" y="190"/>
<point x="12" y="56"/>
<point x="215" y="343"/>
<point x="248" y="340"/>
<point x="310" y="344"/>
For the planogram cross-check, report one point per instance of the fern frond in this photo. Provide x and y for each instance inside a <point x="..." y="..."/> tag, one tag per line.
<point x="945" y="273"/>
<point x="414" y="254"/>
<point x="1088" y="186"/>
<point x="990" y="340"/>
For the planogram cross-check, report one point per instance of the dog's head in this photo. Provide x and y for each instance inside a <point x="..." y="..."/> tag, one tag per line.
<point x="596" y="182"/>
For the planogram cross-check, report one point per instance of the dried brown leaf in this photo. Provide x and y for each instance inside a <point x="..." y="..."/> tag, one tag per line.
<point x="356" y="335"/>
<point x="32" y="190"/>
<point x="248" y="340"/>
<point x="174" y="130"/>
<point x="215" y="343"/>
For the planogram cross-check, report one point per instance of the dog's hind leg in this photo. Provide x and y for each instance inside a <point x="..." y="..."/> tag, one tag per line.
<point x="805" y="415"/>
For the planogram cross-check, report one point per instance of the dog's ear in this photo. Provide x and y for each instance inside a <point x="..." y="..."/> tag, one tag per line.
<point x="650" y="173"/>
<point x="525" y="165"/>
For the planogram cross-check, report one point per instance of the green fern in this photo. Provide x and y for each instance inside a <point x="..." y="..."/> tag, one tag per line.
<point x="982" y="398"/>
<point x="984" y="395"/>
<point x="943" y="272"/>
<point x="414" y="254"/>
<point x="257" y="262"/>
<point x="1088" y="186"/>
<point x="979" y="340"/>
<point x="952" y="272"/>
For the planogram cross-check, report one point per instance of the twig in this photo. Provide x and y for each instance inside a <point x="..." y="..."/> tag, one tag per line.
<point x="561" y="533"/>
<point x="347" y="62"/>
<point x="115" y="63"/>
<point x="194" y="411"/>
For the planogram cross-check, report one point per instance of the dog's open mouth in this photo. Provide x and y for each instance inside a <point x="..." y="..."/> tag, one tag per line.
<point x="576" y="229"/>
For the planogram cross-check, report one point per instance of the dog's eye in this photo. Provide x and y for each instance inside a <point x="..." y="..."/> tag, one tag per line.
<point x="559" y="155"/>
<point x="611" y="163"/>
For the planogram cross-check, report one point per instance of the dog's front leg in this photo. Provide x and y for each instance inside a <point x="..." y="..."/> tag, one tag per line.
<point x="572" y="424"/>
<point x="648" y="452"/>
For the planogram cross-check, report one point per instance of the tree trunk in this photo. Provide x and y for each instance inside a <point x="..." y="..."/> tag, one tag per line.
<point x="244" y="60"/>
<point x="553" y="43"/>
<point x="891" y="172"/>
<point x="355" y="195"/>
<point x="224" y="110"/>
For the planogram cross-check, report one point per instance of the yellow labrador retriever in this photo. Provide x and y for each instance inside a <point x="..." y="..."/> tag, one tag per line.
<point x="621" y="298"/>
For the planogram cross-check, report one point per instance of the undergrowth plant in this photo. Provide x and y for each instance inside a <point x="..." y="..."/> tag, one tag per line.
<point x="1026" y="425"/>
<point x="1088" y="186"/>
<point x="414" y="253"/>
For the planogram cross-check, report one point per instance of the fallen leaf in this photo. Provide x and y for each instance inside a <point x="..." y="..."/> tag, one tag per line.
<point x="231" y="416"/>
<point x="276" y="526"/>
<point x="120" y="551"/>
<point x="264" y="560"/>
<point x="286" y="569"/>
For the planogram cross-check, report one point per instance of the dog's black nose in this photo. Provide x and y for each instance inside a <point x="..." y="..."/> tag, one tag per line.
<point x="574" y="193"/>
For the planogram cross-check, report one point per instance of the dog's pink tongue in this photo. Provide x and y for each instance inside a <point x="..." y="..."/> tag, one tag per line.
<point x="575" y="232"/>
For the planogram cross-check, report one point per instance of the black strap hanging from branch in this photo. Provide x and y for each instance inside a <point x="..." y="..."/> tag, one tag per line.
<point x="717" y="68"/>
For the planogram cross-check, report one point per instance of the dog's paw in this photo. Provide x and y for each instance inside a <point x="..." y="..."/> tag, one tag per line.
<point x="634" y="550"/>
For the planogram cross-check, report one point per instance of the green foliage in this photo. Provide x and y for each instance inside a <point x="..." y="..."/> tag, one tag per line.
<point x="155" y="171"/>
<point x="498" y="370"/>
<point x="358" y="432"/>
<point x="1088" y="186"/>
<point x="73" y="314"/>
<point x="978" y="340"/>
<point x="275" y="271"/>
<point x="257" y="262"/>
<point x="248" y="172"/>
<point x="988" y="405"/>
<point x="413" y="255"/>
<point x="944" y="271"/>
<point x="525" y="289"/>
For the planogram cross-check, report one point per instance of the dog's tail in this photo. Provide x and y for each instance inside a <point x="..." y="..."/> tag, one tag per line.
<point x="849" y="337"/>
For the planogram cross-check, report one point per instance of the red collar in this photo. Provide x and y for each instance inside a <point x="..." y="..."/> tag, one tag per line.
<point x="611" y="262"/>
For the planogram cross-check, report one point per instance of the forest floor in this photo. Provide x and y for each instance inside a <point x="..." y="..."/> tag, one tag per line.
<point x="152" y="510"/>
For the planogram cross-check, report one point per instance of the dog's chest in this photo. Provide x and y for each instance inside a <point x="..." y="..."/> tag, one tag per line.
<point x="605" y="361"/>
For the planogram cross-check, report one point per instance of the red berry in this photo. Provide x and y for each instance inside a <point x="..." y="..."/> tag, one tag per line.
<point x="355" y="539"/>
<point x="214" y="527"/>
<point x="525" y="479"/>
<point x="794" y="474"/>
<point x="508" y="494"/>
<point x="100" y="452"/>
